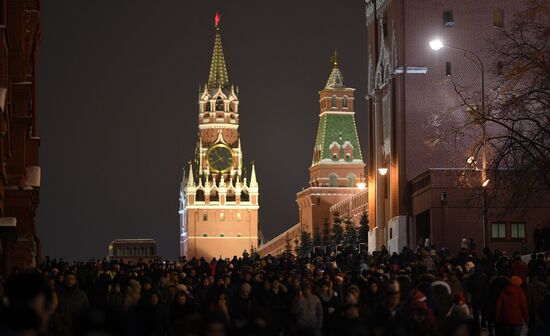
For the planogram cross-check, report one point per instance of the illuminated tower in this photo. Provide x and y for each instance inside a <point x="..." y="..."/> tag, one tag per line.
<point x="218" y="203"/>
<point x="337" y="167"/>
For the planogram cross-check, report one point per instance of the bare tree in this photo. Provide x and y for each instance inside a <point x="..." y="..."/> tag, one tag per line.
<point x="516" y="119"/>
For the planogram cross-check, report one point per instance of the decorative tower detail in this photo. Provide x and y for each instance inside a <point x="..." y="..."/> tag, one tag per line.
<point x="337" y="159"/>
<point x="337" y="166"/>
<point x="218" y="205"/>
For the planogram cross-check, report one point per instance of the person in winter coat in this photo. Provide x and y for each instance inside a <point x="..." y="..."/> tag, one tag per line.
<point x="242" y="307"/>
<point x="498" y="284"/>
<point x="72" y="301"/>
<point x="459" y="309"/>
<point x="152" y="316"/>
<point x="307" y="310"/>
<point x="133" y="294"/>
<point x="116" y="298"/>
<point x="329" y="303"/>
<point x="535" y="292"/>
<point x="181" y="309"/>
<point x="392" y="318"/>
<point x="476" y="283"/>
<point x="423" y="317"/>
<point x="511" y="308"/>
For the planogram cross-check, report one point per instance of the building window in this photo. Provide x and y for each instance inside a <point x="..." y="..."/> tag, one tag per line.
<point x="391" y="233"/>
<point x="345" y="102"/>
<point x="205" y="217"/>
<point x="219" y="104"/>
<point x="517" y="230"/>
<point x="333" y="102"/>
<point x="239" y="216"/>
<point x="222" y="216"/>
<point x="448" y="68"/>
<point x="239" y="235"/>
<point x="498" y="230"/>
<point x="222" y="235"/>
<point x="498" y="18"/>
<point x="448" y="19"/>
<point x="204" y="235"/>
<point x="334" y="156"/>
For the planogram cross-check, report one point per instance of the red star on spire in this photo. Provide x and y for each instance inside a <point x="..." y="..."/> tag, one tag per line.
<point x="217" y="19"/>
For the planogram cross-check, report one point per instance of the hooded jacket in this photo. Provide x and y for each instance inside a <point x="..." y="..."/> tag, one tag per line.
<point x="511" y="305"/>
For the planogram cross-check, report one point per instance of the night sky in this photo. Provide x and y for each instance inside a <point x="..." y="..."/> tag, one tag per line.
<point x="118" y="104"/>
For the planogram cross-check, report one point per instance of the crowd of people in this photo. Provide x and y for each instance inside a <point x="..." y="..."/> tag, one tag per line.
<point x="422" y="292"/>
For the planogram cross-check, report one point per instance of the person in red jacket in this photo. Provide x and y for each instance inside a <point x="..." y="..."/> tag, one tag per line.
<point x="511" y="307"/>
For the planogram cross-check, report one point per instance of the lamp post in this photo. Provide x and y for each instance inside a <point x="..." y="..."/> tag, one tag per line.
<point x="474" y="58"/>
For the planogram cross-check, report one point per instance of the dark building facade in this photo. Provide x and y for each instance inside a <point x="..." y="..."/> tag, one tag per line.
<point x="411" y="97"/>
<point x="133" y="250"/>
<point x="19" y="134"/>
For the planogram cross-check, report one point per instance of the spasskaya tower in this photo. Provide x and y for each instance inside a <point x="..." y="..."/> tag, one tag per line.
<point x="218" y="202"/>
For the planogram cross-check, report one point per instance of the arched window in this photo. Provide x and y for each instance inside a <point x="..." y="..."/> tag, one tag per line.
<point x="200" y="195"/>
<point x="245" y="197"/>
<point x="333" y="102"/>
<point x="205" y="217"/>
<point x="207" y="106"/>
<point x="219" y="104"/>
<point x="345" y="102"/>
<point x="350" y="180"/>
<point x="214" y="197"/>
<point x="230" y="197"/>
<point x="333" y="180"/>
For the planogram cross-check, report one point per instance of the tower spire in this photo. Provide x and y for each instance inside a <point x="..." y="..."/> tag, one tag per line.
<point x="190" y="180"/>
<point x="253" y="181"/>
<point x="336" y="79"/>
<point x="218" y="73"/>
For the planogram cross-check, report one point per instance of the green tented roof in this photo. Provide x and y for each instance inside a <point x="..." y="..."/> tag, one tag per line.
<point x="337" y="128"/>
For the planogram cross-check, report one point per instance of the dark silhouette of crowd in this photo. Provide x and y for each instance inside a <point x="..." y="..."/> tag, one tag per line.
<point x="422" y="292"/>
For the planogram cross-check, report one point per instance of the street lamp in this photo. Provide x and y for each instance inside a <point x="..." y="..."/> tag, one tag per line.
<point x="436" y="44"/>
<point x="383" y="171"/>
<point x="473" y="57"/>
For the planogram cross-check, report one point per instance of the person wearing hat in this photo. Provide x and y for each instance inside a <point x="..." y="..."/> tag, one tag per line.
<point x="423" y="319"/>
<point x="511" y="308"/>
<point x="459" y="309"/>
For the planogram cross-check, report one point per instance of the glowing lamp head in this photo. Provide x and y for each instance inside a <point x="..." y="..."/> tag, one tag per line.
<point x="383" y="171"/>
<point x="436" y="44"/>
<point x="361" y="185"/>
<point x="485" y="183"/>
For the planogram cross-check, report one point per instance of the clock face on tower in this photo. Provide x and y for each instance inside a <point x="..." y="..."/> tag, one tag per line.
<point x="220" y="158"/>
